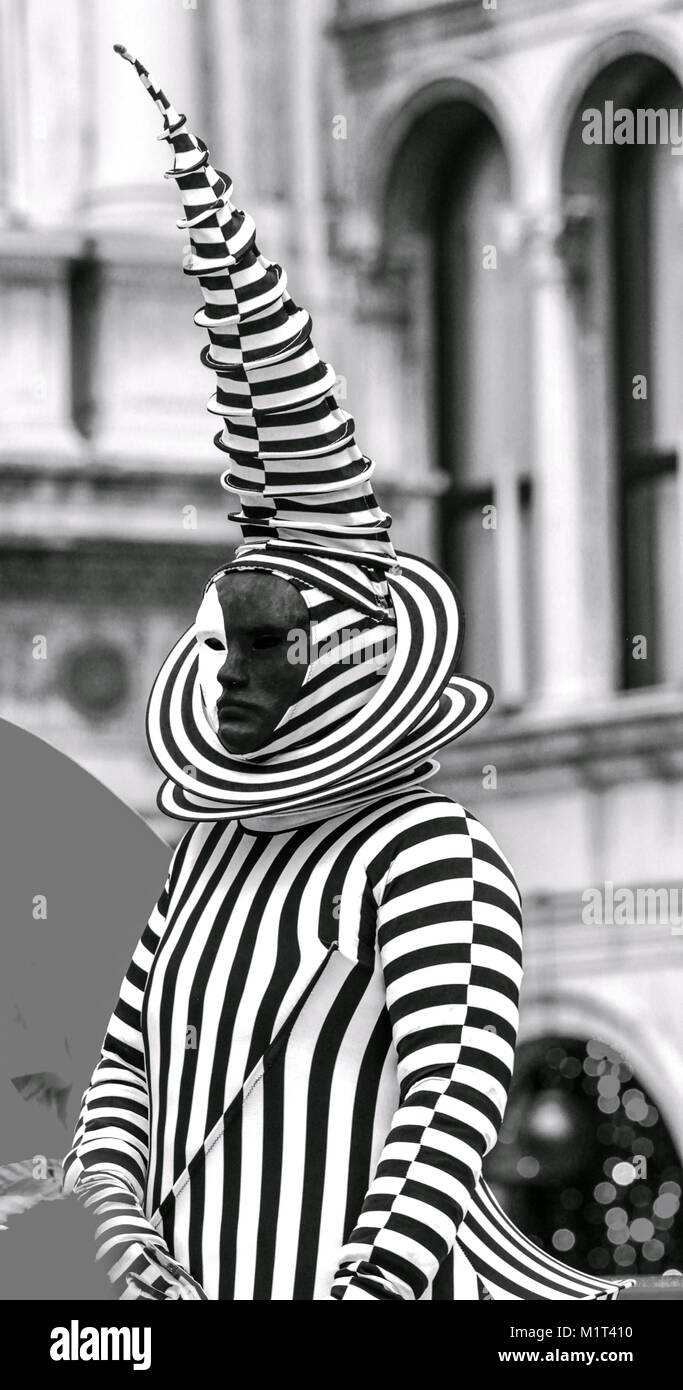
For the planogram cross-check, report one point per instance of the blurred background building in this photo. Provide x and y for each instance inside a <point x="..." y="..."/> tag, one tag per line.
<point x="504" y="302"/>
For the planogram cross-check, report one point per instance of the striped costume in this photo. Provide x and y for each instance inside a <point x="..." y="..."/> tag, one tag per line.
<point x="338" y="1004"/>
<point x="313" y="1045"/>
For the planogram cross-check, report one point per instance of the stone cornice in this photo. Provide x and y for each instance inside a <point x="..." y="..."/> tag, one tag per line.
<point x="628" y="736"/>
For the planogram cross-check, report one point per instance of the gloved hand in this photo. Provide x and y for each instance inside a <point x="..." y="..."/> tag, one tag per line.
<point x="155" y="1276"/>
<point x="138" y="1262"/>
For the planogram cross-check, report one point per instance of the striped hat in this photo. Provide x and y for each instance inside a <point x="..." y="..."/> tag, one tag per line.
<point x="374" y="705"/>
<point x="300" y="477"/>
<point x="340" y="744"/>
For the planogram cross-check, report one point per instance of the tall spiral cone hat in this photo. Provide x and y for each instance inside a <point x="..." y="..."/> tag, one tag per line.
<point x="301" y="478"/>
<point x="308" y="513"/>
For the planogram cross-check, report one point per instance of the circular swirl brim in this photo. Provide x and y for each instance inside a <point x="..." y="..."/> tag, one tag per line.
<point x="418" y="707"/>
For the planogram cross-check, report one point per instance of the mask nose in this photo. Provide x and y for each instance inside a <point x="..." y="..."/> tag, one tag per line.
<point x="234" y="673"/>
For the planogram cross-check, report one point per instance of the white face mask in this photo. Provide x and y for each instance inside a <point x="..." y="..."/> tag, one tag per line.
<point x="210" y="626"/>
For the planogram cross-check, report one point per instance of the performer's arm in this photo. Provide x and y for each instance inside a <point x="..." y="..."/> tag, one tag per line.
<point x="449" y="938"/>
<point x="106" y="1168"/>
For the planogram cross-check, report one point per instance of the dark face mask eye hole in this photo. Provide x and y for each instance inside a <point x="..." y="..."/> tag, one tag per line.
<point x="214" y="644"/>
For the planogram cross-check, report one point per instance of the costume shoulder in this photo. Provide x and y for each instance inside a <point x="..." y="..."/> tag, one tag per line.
<point x="422" y="807"/>
<point x="424" y="826"/>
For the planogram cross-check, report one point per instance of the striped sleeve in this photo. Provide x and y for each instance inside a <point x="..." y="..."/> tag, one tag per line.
<point x="449" y="936"/>
<point x="106" y="1167"/>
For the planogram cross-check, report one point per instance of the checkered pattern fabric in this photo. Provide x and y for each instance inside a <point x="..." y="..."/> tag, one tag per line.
<point x="300" y="476"/>
<point x="355" y="1030"/>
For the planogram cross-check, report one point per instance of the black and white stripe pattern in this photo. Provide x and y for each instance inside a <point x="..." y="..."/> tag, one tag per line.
<point x="418" y="706"/>
<point x="287" y="435"/>
<point x="309" y="1060"/>
<point x="346" y="652"/>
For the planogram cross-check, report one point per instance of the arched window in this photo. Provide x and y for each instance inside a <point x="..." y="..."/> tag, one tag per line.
<point x="449" y="218"/>
<point x="632" y="186"/>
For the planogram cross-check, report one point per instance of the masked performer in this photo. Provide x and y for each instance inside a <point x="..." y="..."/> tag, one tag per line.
<point x="313" y="1045"/>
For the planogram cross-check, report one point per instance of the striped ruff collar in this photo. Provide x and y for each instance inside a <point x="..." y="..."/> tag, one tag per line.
<point x="384" y="746"/>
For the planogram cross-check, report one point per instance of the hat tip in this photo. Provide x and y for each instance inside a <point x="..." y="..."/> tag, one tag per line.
<point x="123" y="52"/>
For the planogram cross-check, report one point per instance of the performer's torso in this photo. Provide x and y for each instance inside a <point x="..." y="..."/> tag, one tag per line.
<point x="255" y="921"/>
<point x="247" y="926"/>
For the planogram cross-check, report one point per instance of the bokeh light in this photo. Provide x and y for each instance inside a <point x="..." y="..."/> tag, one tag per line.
<point x="586" y="1166"/>
<point x="563" y="1239"/>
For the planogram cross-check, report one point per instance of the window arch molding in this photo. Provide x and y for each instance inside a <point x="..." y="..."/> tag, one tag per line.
<point x="584" y="68"/>
<point x="396" y="120"/>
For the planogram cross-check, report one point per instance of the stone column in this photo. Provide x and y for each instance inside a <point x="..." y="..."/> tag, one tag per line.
<point x="556" y="464"/>
<point x="307" y="142"/>
<point x="39" y="125"/>
<point x="35" y="384"/>
<point x="229" y="126"/>
<point x="49" y="96"/>
<point x="240" y="121"/>
<point x="13" y="110"/>
<point x="512" y="686"/>
<point x="146" y="391"/>
<point x="124" y="164"/>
